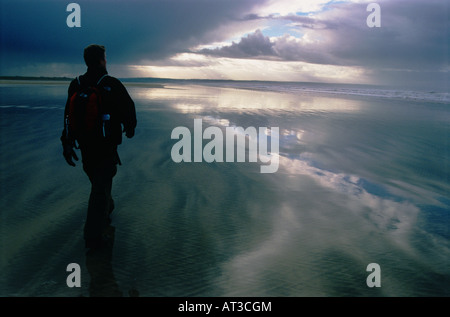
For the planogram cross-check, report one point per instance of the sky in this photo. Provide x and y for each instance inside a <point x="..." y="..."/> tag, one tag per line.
<point x="275" y="40"/>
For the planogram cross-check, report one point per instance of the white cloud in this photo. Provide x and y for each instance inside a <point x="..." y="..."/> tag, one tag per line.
<point x="286" y="7"/>
<point x="337" y="34"/>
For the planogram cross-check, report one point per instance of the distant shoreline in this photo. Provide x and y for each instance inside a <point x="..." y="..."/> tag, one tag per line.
<point x="141" y="80"/>
<point x="41" y="78"/>
<point x="60" y="80"/>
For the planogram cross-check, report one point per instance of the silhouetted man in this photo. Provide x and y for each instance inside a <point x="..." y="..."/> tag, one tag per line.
<point x="99" y="152"/>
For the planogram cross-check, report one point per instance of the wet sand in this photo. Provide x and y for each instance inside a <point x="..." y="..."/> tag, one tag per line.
<point x="360" y="181"/>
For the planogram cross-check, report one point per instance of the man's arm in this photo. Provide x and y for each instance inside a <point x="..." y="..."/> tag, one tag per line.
<point x="127" y="111"/>
<point x="67" y="142"/>
<point x="70" y="92"/>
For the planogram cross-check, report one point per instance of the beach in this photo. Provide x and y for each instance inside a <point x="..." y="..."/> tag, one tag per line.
<point x="363" y="178"/>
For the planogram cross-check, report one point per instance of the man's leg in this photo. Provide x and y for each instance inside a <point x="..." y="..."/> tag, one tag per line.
<point x="99" y="204"/>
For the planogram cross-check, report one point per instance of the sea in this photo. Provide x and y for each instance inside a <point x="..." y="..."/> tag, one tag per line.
<point x="358" y="207"/>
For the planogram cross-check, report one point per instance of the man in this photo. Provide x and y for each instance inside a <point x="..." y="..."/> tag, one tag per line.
<point x="99" y="154"/>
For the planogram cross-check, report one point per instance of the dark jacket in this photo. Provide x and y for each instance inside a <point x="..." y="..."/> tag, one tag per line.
<point x="115" y="98"/>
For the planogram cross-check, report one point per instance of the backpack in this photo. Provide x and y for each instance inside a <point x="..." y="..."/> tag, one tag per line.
<point x="87" y="118"/>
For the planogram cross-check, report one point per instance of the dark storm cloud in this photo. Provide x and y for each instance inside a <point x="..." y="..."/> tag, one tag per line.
<point x="252" y="46"/>
<point x="414" y="35"/>
<point x="132" y="31"/>
<point x="258" y="46"/>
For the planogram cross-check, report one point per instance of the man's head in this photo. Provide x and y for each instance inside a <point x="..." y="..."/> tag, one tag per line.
<point x="95" y="56"/>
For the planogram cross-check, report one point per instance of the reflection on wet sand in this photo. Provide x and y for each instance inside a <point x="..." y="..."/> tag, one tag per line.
<point x="195" y="99"/>
<point x="99" y="265"/>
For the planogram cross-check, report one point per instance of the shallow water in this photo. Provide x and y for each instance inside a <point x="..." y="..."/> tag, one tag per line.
<point x="361" y="180"/>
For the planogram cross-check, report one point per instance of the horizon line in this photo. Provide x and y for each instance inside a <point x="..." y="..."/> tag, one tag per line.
<point x="64" y="78"/>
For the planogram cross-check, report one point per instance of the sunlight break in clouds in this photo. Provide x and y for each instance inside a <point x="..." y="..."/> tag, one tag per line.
<point x="190" y="66"/>
<point x="253" y="56"/>
<point x="286" y="7"/>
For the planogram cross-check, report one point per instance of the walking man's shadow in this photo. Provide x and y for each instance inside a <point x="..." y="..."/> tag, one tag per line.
<point x="99" y="266"/>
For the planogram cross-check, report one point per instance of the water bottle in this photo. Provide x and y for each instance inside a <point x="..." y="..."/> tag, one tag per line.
<point x="106" y="125"/>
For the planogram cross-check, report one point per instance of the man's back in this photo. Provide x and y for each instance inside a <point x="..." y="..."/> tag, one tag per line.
<point x="115" y="98"/>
